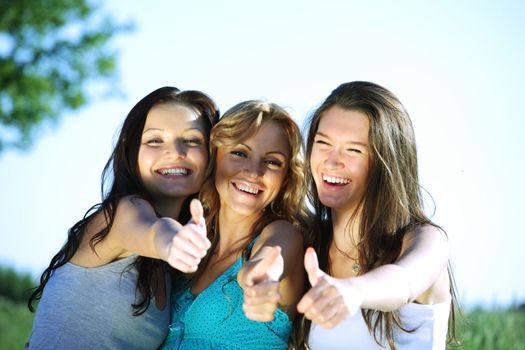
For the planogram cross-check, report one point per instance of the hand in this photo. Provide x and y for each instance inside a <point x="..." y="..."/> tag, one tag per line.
<point x="330" y="300"/>
<point x="259" y="279"/>
<point x="190" y="244"/>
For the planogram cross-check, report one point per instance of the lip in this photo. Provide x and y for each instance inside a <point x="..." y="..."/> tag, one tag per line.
<point x="334" y="182"/>
<point x="247" y="188"/>
<point x="174" y="172"/>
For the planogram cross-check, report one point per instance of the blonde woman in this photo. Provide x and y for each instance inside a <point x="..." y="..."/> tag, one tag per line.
<point x="245" y="291"/>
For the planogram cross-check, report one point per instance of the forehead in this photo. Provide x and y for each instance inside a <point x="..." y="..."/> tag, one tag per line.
<point x="345" y="124"/>
<point x="271" y="137"/>
<point x="173" y="116"/>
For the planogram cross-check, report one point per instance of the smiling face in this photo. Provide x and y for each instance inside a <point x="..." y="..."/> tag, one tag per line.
<point x="173" y="152"/>
<point x="340" y="158"/>
<point x="249" y="175"/>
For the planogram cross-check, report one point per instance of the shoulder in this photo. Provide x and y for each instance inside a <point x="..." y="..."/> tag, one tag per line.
<point x="281" y="228"/>
<point x="426" y="235"/>
<point x="133" y="202"/>
<point x="134" y="208"/>
<point x="281" y="233"/>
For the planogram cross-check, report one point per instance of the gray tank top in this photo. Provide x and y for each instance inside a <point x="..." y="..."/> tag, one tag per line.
<point x="90" y="308"/>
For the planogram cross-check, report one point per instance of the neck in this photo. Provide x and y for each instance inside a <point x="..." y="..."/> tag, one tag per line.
<point x="169" y="207"/>
<point x="345" y="225"/>
<point x="234" y="230"/>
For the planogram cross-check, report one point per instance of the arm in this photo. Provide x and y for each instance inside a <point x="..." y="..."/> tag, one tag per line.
<point x="137" y="230"/>
<point x="423" y="260"/>
<point x="273" y="275"/>
<point x="417" y="274"/>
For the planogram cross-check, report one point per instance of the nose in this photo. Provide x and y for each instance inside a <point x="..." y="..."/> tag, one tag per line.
<point x="253" y="168"/>
<point x="333" y="159"/>
<point x="178" y="149"/>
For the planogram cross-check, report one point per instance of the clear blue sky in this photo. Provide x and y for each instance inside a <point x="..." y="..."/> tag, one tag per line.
<point x="457" y="67"/>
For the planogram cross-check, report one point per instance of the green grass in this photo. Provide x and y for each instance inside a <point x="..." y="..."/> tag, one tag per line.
<point x="492" y="330"/>
<point x="15" y="324"/>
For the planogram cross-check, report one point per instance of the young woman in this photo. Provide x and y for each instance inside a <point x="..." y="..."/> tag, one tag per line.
<point x="254" y="203"/>
<point x="108" y="286"/>
<point x="382" y="277"/>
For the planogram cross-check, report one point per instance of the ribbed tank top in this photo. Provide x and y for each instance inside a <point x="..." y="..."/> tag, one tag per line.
<point x="85" y="308"/>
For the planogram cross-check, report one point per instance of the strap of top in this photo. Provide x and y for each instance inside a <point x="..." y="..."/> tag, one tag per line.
<point x="247" y="252"/>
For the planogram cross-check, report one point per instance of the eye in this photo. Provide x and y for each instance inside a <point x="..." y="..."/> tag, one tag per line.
<point x="321" y="142"/>
<point x="193" y="142"/>
<point x="355" y="150"/>
<point x="238" y="154"/>
<point x="154" y="142"/>
<point x="274" y="163"/>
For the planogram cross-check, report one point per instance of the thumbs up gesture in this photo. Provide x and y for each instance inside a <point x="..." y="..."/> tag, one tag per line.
<point x="189" y="244"/>
<point x="330" y="300"/>
<point x="259" y="278"/>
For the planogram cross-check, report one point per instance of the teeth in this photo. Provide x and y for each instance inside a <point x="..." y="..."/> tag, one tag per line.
<point x="335" y="180"/>
<point x="246" y="188"/>
<point x="175" y="171"/>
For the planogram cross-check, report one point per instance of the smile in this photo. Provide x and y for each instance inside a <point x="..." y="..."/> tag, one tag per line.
<point x="247" y="188"/>
<point x="335" y="180"/>
<point x="174" y="171"/>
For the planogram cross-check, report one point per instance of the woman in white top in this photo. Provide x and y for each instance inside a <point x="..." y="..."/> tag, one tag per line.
<point x="378" y="266"/>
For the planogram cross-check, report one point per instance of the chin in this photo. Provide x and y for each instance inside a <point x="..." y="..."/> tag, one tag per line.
<point x="331" y="202"/>
<point x="245" y="211"/>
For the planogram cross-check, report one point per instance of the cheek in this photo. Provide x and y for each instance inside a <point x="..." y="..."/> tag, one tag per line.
<point x="145" y="160"/>
<point x="314" y="163"/>
<point x="360" y="170"/>
<point x="200" y="159"/>
<point x="277" y="180"/>
<point x="221" y="172"/>
<point x="314" y="159"/>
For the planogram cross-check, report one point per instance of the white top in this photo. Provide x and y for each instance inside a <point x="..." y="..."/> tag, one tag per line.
<point x="430" y="322"/>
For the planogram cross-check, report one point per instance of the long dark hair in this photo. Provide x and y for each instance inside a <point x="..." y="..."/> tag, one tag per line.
<point x="392" y="204"/>
<point x="121" y="173"/>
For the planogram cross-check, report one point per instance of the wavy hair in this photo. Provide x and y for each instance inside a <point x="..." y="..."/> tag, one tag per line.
<point x="121" y="174"/>
<point x="392" y="204"/>
<point x="237" y="124"/>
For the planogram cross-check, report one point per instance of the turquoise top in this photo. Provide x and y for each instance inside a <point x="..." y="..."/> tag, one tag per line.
<point x="215" y="320"/>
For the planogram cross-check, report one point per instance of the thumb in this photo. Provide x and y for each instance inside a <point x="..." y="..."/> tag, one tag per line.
<point x="197" y="212"/>
<point x="265" y="266"/>
<point x="311" y="264"/>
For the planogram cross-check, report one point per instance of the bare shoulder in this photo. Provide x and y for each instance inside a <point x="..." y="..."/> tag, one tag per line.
<point x="133" y="202"/>
<point x="281" y="228"/>
<point x="425" y="254"/>
<point x="426" y="236"/>
<point x="127" y="204"/>
<point x="281" y="233"/>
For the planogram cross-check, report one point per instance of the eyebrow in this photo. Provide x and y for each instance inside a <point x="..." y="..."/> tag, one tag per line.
<point x="352" y="142"/>
<point x="159" y="129"/>
<point x="271" y="152"/>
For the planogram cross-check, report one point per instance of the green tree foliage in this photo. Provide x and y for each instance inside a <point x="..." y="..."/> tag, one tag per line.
<point x="49" y="51"/>
<point x="14" y="285"/>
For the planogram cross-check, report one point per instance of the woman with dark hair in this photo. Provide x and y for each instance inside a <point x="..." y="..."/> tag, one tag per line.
<point x="382" y="278"/>
<point x="109" y="286"/>
<point x="254" y="203"/>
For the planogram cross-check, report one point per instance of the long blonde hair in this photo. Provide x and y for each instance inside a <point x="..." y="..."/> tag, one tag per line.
<point x="237" y="124"/>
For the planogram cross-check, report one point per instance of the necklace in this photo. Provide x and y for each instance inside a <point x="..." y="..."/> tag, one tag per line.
<point x="355" y="265"/>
